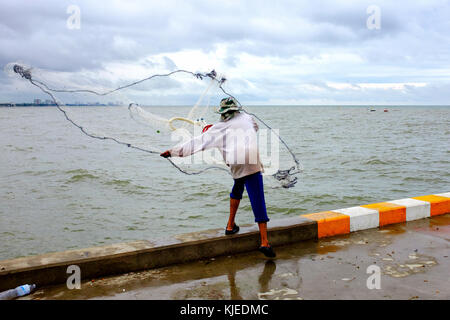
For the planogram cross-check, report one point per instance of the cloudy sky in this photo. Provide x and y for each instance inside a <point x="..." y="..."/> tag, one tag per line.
<point x="272" y="52"/>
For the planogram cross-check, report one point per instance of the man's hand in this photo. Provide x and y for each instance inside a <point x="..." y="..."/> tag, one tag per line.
<point x="206" y="128"/>
<point x="165" y="154"/>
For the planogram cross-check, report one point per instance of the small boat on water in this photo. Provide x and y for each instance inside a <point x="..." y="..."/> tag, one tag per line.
<point x="372" y="109"/>
<point x="386" y="110"/>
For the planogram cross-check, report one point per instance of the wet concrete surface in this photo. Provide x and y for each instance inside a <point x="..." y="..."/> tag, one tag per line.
<point x="413" y="259"/>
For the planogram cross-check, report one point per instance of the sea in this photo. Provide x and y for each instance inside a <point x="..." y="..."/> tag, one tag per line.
<point x="62" y="190"/>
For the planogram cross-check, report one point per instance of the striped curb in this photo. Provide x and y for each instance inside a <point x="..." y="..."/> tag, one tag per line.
<point x="343" y="221"/>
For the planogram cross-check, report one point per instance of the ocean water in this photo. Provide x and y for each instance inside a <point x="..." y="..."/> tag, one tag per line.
<point x="62" y="190"/>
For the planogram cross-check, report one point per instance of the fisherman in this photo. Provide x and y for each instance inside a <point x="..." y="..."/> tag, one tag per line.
<point x="235" y="137"/>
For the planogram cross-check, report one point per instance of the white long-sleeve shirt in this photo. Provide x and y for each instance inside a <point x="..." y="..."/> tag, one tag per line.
<point x="237" y="141"/>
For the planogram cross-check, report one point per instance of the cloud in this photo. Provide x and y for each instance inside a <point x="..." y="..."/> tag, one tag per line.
<point x="270" y="51"/>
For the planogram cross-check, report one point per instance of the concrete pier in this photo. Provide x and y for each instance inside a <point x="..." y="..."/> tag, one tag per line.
<point x="119" y="258"/>
<point x="51" y="268"/>
<point x="413" y="257"/>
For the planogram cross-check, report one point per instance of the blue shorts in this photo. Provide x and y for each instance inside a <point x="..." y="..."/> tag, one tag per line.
<point x="255" y="190"/>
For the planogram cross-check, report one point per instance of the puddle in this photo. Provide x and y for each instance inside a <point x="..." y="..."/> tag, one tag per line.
<point x="279" y="294"/>
<point x="416" y="264"/>
<point x="219" y="290"/>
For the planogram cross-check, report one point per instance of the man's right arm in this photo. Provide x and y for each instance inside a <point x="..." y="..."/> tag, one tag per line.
<point x="207" y="140"/>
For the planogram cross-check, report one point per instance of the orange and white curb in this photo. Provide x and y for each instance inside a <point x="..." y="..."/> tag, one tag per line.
<point x="343" y="221"/>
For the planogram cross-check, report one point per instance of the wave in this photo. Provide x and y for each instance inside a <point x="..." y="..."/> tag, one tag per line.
<point x="375" y="161"/>
<point x="199" y="216"/>
<point x="81" y="177"/>
<point x="123" y="185"/>
<point x="16" y="148"/>
<point x="425" y="179"/>
<point x="118" y="182"/>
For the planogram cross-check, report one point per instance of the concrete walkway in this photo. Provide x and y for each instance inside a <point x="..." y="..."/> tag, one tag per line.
<point x="413" y="258"/>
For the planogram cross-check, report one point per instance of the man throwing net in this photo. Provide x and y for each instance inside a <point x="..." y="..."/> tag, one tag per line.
<point x="235" y="137"/>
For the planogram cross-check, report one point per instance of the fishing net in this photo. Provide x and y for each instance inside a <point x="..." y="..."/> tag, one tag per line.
<point x="149" y="115"/>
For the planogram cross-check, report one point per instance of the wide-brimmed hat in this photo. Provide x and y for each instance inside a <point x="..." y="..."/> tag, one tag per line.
<point x="227" y="104"/>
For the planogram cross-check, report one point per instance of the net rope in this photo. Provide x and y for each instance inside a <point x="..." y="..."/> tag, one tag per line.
<point x="287" y="177"/>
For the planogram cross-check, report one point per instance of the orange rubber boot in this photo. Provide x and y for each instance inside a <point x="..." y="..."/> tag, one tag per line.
<point x="263" y="232"/>
<point x="234" y="205"/>
<point x="265" y="247"/>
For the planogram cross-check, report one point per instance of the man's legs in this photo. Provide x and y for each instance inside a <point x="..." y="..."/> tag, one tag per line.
<point x="255" y="189"/>
<point x="234" y="205"/>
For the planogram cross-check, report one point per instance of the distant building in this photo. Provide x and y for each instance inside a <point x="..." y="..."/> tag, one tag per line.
<point x="37" y="101"/>
<point x="7" y="104"/>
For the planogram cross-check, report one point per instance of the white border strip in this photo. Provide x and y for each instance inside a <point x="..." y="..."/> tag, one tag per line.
<point x="361" y="218"/>
<point x="415" y="209"/>
<point x="447" y="194"/>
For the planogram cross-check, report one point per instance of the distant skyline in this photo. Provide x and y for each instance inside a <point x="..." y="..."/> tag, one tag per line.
<point x="286" y="52"/>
